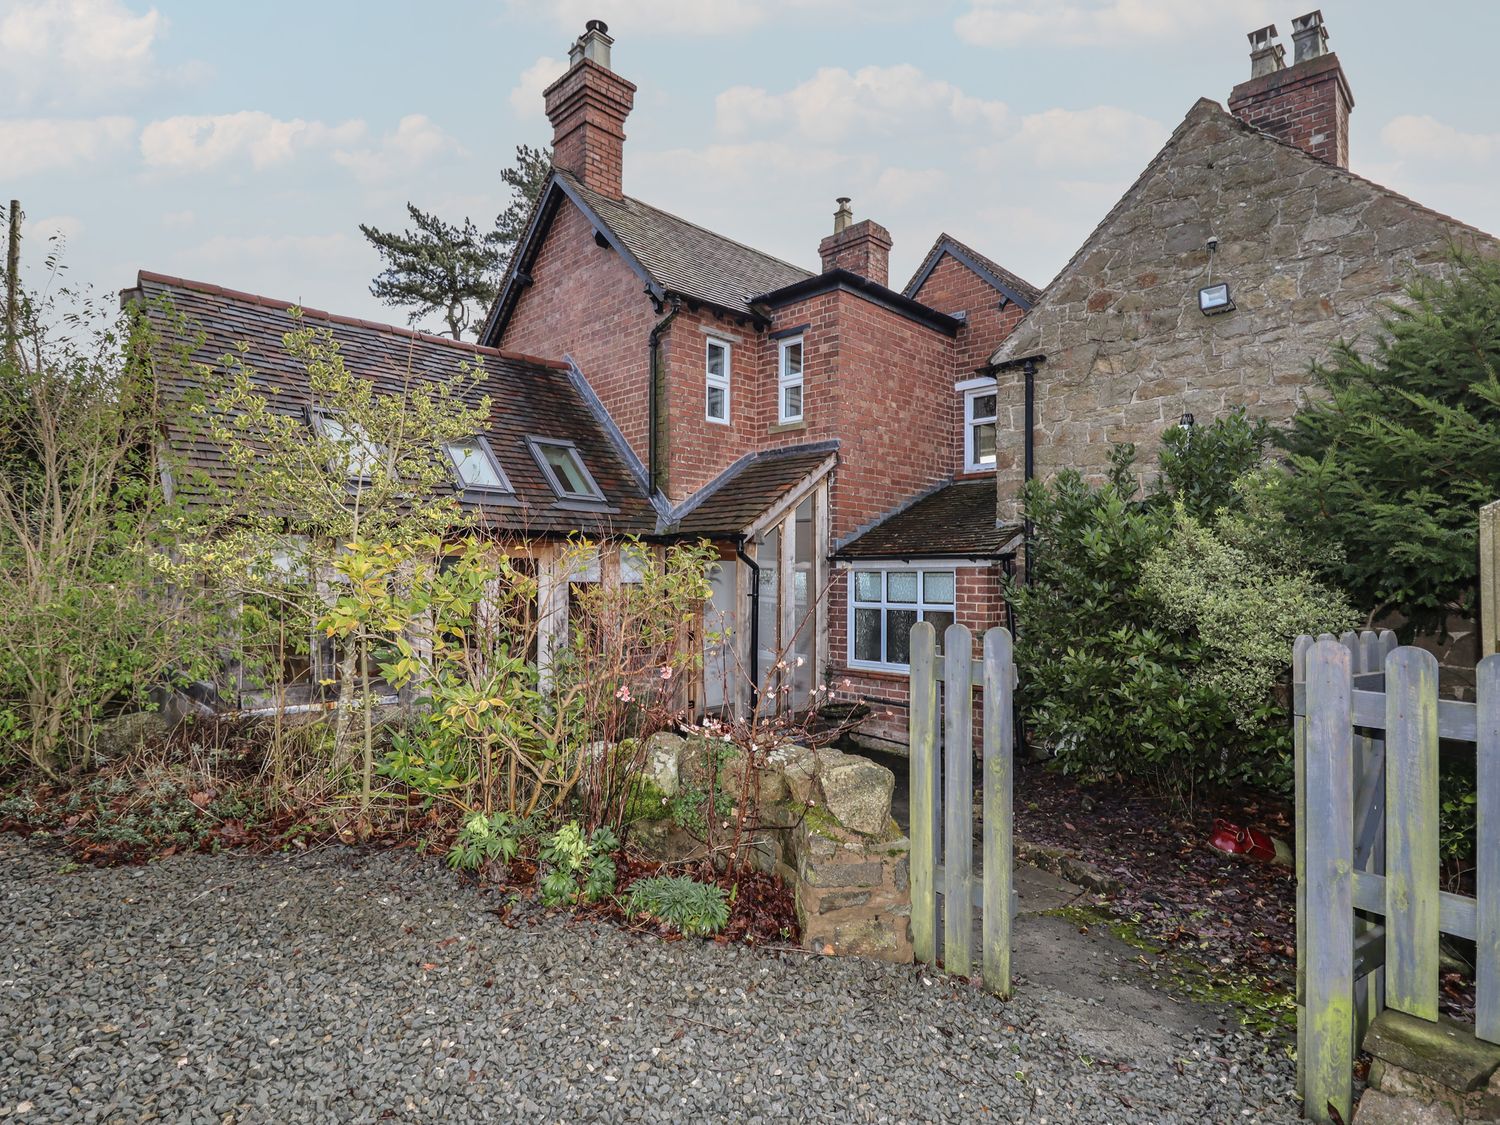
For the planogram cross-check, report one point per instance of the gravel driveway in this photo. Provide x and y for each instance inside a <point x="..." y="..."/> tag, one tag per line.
<point x="351" y="987"/>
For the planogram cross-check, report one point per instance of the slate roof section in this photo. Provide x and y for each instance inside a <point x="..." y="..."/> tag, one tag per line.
<point x="748" y="488"/>
<point x="1009" y="285"/>
<point x="955" y="521"/>
<point x="529" y="397"/>
<point x="670" y="254"/>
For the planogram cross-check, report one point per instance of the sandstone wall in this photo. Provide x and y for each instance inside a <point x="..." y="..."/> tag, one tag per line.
<point x="1310" y="253"/>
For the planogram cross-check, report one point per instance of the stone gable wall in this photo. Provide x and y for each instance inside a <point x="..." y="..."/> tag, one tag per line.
<point x="1310" y="254"/>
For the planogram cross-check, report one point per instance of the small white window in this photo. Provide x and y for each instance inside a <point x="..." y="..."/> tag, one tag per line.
<point x="716" y="367"/>
<point x="885" y="604"/>
<point x="565" y="470"/>
<point x="789" y="382"/>
<point x="358" y="456"/>
<point x="475" y="465"/>
<point x="979" y="429"/>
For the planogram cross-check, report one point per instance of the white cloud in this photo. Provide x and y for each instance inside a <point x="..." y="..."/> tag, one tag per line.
<point x="416" y="142"/>
<point x="58" y="51"/>
<point x="49" y="227"/>
<point x="1104" y="136"/>
<point x="900" y="186"/>
<point x="1420" y="137"/>
<point x="175" y="220"/>
<point x="197" y="143"/>
<point x="34" y="145"/>
<point x="703" y="17"/>
<point x="526" y="95"/>
<point x="835" y="103"/>
<point x="1007" y="23"/>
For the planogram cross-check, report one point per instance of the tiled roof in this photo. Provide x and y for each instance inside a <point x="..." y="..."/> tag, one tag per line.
<point x="956" y="521"/>
<point x="748" y="488"/>
<point x="686" y="259"/>
<point x="529" y="397"/>
<point x="1018" y="289"/>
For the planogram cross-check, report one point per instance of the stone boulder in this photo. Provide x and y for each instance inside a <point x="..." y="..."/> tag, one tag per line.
<point x="856" y="792"/>
<point x="664" y="752"/>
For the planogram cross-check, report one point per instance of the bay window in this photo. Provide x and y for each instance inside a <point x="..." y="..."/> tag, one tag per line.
<point x="883" y="606"/>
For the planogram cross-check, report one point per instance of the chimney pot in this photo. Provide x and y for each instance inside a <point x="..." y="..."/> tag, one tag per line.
<point x="1266" y="55"/>
<point x="1309" y="36"/>
<point x="593" y="44"/>
<point x="843" y="216"/>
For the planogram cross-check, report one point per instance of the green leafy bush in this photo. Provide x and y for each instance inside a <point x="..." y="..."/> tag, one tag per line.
<point x="688" y="906"/>
<point x="1154" y="632"/>
<point x="578" y="868"/>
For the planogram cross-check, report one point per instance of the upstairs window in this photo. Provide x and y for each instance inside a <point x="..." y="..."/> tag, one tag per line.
<point x="565" y="470"/>
<point x="716" y="362"/>
<point x="979" y="429"/>
<point x="358" y="456"/>
<point x="476" y="466"/>
<point x="789" y="382"/>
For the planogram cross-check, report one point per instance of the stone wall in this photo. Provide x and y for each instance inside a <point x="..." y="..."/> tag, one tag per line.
<point x="1310" y="253"/>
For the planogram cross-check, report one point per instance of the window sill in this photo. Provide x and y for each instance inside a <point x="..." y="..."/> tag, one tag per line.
<point x="787" y="427"/>
<point x="881" y="671"/>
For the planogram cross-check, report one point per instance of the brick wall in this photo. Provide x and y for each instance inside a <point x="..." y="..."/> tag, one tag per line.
<point x="980" y="606"/>
<point x="1306" y="105"/>
<point x="584" y="301"/>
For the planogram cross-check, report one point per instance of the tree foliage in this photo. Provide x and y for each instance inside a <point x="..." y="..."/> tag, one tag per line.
<point x="1390" y="468"/>
<point x="455" y="269"/>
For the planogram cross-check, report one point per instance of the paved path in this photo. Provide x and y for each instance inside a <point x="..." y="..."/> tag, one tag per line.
<point x="353" y="987"/>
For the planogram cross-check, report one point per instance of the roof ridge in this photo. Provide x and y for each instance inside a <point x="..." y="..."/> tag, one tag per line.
<point x="338" y="318"/>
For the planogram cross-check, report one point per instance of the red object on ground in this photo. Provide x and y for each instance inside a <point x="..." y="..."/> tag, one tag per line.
<point x="1234" y="840"/>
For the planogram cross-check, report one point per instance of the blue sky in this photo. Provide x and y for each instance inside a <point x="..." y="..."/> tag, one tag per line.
<point x="242" y="143"/>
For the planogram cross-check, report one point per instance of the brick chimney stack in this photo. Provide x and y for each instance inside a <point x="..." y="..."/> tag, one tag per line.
<point x="587" y="107"/>
<point x="863" y="248"/>
<point x="1306" y="104"/>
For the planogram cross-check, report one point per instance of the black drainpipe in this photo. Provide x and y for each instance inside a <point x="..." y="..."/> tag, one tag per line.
<point x="1030" y="438"/>
<point x="739" y="551"/>
<point x="1017" y="717"/>
<point x="654" y="362"/>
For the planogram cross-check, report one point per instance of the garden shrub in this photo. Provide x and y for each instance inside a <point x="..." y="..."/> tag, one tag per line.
<point x="1153" y="631"/>
<point x="578" y="868"/>
<point x="498" y="835"/>
<point x="686" y="905"/>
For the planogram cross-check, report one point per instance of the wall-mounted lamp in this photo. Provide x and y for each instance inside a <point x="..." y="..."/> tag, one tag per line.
<point x="1214" y="299"/>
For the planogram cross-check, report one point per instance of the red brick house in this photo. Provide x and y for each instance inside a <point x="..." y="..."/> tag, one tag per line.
<point x="834" y="436"/>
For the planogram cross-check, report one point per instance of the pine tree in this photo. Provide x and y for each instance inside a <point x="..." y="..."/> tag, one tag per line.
<point x="1390" y="469"/>
<point x="454" y="270"/>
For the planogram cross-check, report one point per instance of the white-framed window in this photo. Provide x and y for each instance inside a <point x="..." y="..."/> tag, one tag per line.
<point x="564" y="469"/>
<point x="476" y="466"/>
<point x="883" y="606"/>
<point x="789" y="381"/>
<point x="980" y="419"/>
<point x="716" y="381"/>
<point x="358" y="455"/>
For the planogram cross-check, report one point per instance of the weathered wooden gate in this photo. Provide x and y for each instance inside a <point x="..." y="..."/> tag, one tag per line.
<point x="942" y="802"/>
<point x="1369" y="904"/>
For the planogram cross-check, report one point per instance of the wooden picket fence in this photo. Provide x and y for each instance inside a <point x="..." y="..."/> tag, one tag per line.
<point x="942" y="802"/>
<point x="1370" y="908"/>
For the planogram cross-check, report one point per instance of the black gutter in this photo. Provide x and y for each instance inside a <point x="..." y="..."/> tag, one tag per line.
<point x="653" y="366"/>
<point x="873" y="291"/>
<point x="739" y="552"/>
<point x="1030" y="469"/>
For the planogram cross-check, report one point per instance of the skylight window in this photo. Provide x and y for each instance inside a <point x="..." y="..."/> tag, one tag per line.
<point x="565" y="470"/>
<point x="475" y="465"/>
<point x="358" y="456"/>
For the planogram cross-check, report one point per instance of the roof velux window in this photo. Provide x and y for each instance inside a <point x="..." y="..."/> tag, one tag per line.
<point x="475" y="465"/>
<point x="358" y="456"/>
<point x="565" y="470"/>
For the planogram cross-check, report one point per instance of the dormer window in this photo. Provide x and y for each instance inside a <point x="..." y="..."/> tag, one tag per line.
<point x="716" y="363"/>
<point x="358" y="456"/>
<point x="979" y="429"/>
<point x="476" y="466"/>
<point x="565" y="470"/>
<point x="789" y="382"/>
